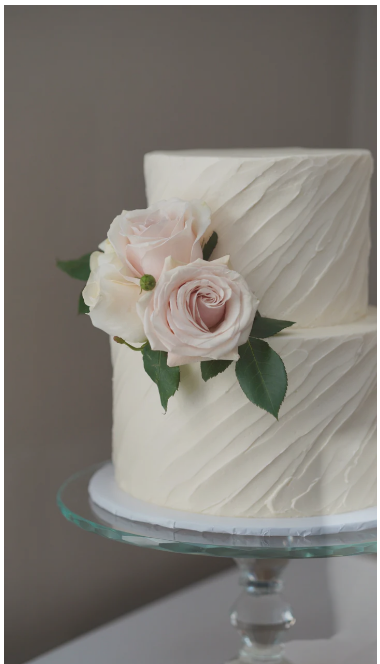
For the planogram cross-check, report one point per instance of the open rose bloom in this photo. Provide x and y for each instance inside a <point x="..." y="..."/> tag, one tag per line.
<point x="200" y="311"/>
<point x="143" y="239"/>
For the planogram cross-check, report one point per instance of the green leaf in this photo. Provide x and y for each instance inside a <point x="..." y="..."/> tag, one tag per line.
<point x="82" y="306"/>
<point x="267" y="327"/>
<point x="78" y="268"/>
<point x="119" y="340"/>
<point x="262" y="375"/>
<point x="212" y="368"/>
<point x="166" y="378"/>
<point x="210" y="246"/>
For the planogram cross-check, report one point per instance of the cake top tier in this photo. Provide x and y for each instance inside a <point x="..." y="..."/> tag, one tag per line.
<point x="295" y="222"/>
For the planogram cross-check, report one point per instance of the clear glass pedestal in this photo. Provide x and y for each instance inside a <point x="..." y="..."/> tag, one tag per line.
<point x="261" y="613"/>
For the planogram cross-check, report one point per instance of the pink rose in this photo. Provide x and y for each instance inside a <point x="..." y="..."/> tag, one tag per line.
<point x="144" y="238"/>
<point x="201" y="311"/>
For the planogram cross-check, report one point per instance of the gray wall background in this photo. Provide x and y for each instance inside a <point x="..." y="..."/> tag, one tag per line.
<point x="89" y="90"/>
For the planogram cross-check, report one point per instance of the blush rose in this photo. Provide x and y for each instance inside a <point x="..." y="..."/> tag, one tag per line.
<point x="143" y="239"/>
<point x="200" y="311"/>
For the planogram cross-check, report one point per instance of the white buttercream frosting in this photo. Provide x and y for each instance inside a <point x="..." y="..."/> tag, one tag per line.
<point x="294" y="221"/>
<point x="215" y="452"/>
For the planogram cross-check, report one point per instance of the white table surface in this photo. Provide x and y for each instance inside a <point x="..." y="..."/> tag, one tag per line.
<point x="334" y="602"/>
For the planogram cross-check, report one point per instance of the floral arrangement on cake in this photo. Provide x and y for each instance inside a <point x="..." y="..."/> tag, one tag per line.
<point x="153" y="283"/>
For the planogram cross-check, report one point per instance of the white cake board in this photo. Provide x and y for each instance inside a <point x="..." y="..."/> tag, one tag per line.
<point x="105" y="493"/>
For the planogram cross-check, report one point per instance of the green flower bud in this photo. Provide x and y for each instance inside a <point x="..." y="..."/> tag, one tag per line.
<point x="147" y="282"/>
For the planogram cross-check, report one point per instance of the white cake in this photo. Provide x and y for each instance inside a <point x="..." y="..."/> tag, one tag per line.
<point x="295" y="224"/>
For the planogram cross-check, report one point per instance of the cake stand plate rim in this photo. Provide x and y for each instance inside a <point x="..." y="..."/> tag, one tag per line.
<point x="105" y="493"/>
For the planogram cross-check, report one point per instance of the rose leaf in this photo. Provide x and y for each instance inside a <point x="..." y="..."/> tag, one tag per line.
<point x="210" y="246"/>
<point x="78" y="268"/>
<point x="82" y="306"/>
<point x="212" y="368"/>
<point x="166" y="378"/>
<point x="262" y="375"/>
<point x="267" y="327"/>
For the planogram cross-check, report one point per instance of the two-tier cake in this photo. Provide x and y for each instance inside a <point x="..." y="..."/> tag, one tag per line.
<point x="295" y="223"/>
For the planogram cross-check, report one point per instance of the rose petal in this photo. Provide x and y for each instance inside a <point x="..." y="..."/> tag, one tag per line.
<point x="112" y="299"/>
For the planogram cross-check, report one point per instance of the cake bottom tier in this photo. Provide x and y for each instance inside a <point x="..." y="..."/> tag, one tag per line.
<point x="215" y="452"/>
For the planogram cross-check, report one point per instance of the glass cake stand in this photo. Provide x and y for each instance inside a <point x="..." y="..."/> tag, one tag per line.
<point x="260" y="614"/>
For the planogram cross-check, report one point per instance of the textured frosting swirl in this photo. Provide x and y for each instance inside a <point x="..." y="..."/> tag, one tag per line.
<point x="217" y="453"/>
<point x="294" y="222"/>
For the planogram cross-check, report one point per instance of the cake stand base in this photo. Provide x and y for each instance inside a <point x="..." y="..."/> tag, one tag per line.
<point x="260" y="614"/>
